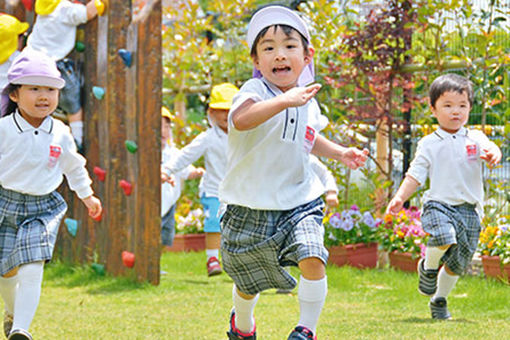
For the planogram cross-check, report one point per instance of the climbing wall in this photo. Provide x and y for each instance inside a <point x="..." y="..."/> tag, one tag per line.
<point x="122" y="104"/>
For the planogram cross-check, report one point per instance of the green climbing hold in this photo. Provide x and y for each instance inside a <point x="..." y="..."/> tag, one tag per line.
<point x="80" y="47"/>
<point x="131" y="146"/>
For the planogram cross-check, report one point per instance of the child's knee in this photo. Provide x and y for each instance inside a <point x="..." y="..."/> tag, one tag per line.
<point x="312" y="268"/>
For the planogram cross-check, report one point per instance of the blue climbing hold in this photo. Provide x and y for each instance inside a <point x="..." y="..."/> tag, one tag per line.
<point x="72" y="226"/>
<point x="126" y="56"/>
<point x="98" y="92"/>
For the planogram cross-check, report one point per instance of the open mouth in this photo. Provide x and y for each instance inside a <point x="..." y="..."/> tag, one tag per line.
<point x="281" y="69"/>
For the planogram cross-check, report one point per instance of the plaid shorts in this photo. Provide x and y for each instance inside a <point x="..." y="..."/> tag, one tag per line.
<point x="28" y="227"/>
<point x="168" y="227"/>
<point x="458" y="225"/>
<point x="256" y="245"/>
<point x="70" y="94"/>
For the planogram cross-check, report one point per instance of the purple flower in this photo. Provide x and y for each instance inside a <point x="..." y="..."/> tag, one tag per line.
<point x="354" y="207"/>
<point x="368" y="219"/>
<point x="336" y="221"/>
<point x="347" y="224"/>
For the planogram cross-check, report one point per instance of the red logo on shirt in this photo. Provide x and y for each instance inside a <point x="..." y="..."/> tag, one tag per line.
<point x="55" y="152"/>
<point x="471" y="150"/>
<point x="310" y="134"/>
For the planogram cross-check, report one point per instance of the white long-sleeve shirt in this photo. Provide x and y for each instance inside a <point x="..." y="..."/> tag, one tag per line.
<point x="326" y="177"/>
<point x="55" y="33"/>
<point x="34" y="160"/>
<point x="212" y="144"/>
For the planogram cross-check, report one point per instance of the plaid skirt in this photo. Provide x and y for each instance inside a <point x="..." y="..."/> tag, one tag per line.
<point x="256" y="245"/>
<point x="28" y="227"/>
<point x="457" y="225"/>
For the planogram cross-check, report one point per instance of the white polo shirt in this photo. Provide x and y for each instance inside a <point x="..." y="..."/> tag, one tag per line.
<point x="33" y="160"/>
<point x="55" y="33"/>
<point x="171" y="193"/>
<point x="212" y="144"/>
<point x="453" y="164"/>
<point x="326" y="177"/>
<point x="268" y="166"/>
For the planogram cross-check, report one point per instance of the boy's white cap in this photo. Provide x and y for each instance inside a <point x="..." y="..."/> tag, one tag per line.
<point x="275" y="15"/>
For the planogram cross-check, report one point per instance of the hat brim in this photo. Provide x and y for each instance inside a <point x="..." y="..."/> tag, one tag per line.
<point x="221" y="106"/>
<point x="42" y="80"/>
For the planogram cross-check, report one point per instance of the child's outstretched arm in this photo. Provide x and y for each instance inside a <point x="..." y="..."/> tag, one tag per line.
<point x="196" y="172"/>
<point x="94" y="206"/>
<point x="94" y="8"/>
<point x="492" y="154"/>
<point x="406" y="189"/>
<point x="251" y="114"/>
<point x="351" y="157"/>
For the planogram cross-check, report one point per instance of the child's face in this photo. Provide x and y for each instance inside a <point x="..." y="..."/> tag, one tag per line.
<point x="166" y="129"/>
<point x="220" y="118"/>
<point x="281" y="58"/>
<point x="452" y="110"/>
<point x="35" y="102"/>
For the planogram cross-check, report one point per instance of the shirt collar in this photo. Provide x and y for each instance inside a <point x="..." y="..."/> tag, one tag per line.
<point x="442" y="134"/>
<point x="22" y="125"/>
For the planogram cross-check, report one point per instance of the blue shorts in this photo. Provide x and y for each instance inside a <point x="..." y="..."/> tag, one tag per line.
<point x="211" y="212"/>
<point x="70" y="94"/>
<point x="168" y="227"/>
<point x="257" y="245"/>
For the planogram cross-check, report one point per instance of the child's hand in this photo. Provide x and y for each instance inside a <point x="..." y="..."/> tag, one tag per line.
<point x="197" y="173"/>
<point x="491" y="156"/>
<point x="331" y="199"/>
<point x="354" y="158"/>
<point x="299" y="96"/>
<point x="395" y="205"/>
<point x="93" y="204"/>
<point x="170" y="179"/>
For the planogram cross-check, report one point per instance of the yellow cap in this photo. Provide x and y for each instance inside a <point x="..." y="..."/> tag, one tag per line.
<point x="222" y="95"/>
<point x="166" y="113"/>
<point x="45" y="7"/>
<point x="10" y="28"/>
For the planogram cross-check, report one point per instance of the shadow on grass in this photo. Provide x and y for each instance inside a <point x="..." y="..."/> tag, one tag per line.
<point x="431" y="321"/>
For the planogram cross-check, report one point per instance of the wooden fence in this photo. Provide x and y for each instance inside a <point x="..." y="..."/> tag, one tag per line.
<point x="129" y="111"/>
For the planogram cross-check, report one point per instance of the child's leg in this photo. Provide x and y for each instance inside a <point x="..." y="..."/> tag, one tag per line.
<point x="212" y="245"/>
<point x="8" y="284"/>
<point x="27" y="295"/>
<point x="433" y="256"/>
<point x="445" y="282"/>
<point x="244" y="306"/>
<point x="76" y="125"/>
<point x="312" y="291"/>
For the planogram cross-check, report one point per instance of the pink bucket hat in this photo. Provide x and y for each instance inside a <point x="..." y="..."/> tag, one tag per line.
<point x="280" y="15"/>
<point x="31" y="68"/>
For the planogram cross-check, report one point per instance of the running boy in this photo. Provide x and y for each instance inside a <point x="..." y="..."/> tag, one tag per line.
<point x="212" y="144"/>
<point x="35" y="152"/>
<point x="451" y="157"/>
<point x="274" y="212"/>
<point x="54" y="33"/>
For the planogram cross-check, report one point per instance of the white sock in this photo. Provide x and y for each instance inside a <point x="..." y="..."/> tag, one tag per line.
<point x="77" y="131"/>
<point x="28" y="294"/>
<point x="311" y="295"/>
<point x="445" y="283"/>
<point x="8" y="286"/>
<point x="212" y="253"/>
<point x="432" y="257"/>
<point x="244" y="320"/>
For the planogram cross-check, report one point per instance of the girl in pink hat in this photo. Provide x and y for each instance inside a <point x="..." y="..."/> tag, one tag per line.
<point x="35" y="152"/>
<point x="274" y="209"/>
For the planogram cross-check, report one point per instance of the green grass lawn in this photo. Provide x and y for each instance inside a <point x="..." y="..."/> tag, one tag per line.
<point x="361" y="304"/>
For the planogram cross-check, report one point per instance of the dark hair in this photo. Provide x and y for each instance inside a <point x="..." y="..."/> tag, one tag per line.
<point x="286" y="29"/>
<point x="10" y="106"/>
<point x="447" y="83"/>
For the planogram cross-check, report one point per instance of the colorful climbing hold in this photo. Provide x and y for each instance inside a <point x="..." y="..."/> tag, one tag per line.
<point x="127" y="57"/>
<point x="98" y="268"/>
<point x="29" y="4"/>
<point x="72" y="226"/>
<point x="126" y="186"/>
<point x="99" y="6"/>
<point x="100" y="173"/>
<point x="98" y="218"/>
<point x="80" y="47"/>
<point x="98" y="92"/>
<point x="128" y="259"/>
<point x="131" y="146"/>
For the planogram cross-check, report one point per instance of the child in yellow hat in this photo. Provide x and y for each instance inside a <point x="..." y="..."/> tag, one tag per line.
<point x="170" y="193"/>
<point x="212" y="144"/>
<point x="11" y="31"/>
<point x="54" y="33"/>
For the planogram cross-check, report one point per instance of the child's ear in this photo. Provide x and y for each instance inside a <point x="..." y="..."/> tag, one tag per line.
<point x="309" y="56"/>
<point x="255" y="61"/>
<point x="14" y="96"/>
